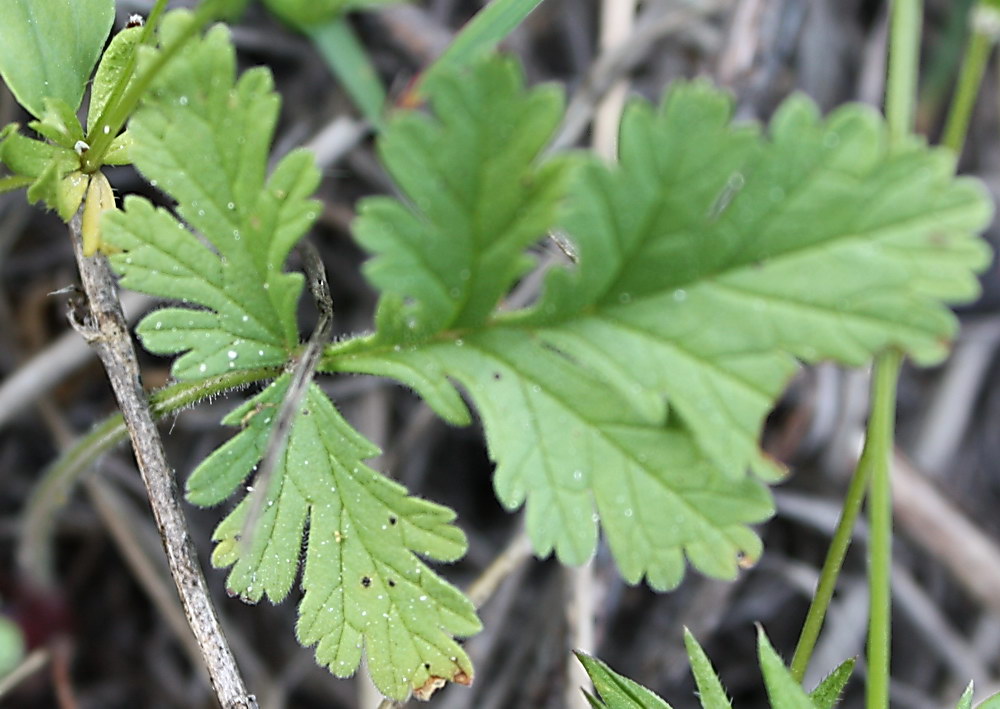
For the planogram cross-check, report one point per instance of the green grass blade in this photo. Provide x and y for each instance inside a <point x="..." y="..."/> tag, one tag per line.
<point x="349" y="62"/>
<point x="483" y="32"/>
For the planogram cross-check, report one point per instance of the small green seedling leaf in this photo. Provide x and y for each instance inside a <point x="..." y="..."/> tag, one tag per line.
<point x="48" y="48"/>
<point x="827" y="693"/>
<point x="616" y="691"/>
<point x="782" y="689"/>
<point x="710" y="689"/>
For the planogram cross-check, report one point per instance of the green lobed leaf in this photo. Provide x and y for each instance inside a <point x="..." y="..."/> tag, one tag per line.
<point x="827" y="693"/>
<point x="478" y="196"/>
<point x="617" y="692"/>
<point x="782" y="689"/>
<point x="365" y="587"/>
<point x="710" y="689"/>
<point x="710" y="261"/>
<point x="203" y="137"/>
<point x="48" y="48"/>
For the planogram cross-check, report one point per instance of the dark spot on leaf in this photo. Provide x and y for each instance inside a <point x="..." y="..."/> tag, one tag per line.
<point x="392" y="519"/>
<point x="427" y="665"/>
<point x="365" y="581"/>
<point x="497" y="376"/>
<point x="305" y="412"/>
<point x="392" y="584"/>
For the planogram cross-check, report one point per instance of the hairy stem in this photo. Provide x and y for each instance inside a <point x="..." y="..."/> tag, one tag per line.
<point x="106" y="329"/>
<point x="33" y="553"/>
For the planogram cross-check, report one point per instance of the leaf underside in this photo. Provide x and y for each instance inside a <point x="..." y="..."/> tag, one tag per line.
<point x="711" y="260"/>
<point x="203" y="136"/>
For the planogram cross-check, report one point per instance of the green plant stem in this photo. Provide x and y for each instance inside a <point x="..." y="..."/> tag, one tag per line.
<point x="904" y="62"/>
<point x="56" y="484"/>
<point x="831" y="567"/>
<point x="118" y="111"/>
<point x="900" y="102"/>
<point x="878" y="448"/>
<point x="977" y="53"/>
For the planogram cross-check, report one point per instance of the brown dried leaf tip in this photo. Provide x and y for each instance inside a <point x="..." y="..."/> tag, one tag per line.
<point x="425" y="691"/>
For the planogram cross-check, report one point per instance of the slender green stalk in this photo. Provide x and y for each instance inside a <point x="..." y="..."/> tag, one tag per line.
<point x="985" y="20"/>
<point x="878" y="447"/>
<point x="56" y="484"/>
<point x="904" y="62"/>
<point x="831" y="567"/>
<point x="900" y="102"/>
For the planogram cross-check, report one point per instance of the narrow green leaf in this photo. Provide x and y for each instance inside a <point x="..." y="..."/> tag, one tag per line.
<point x="481" y="35"/>
<point x="782" y="689"/>
<point x="48" y="48"/>
<point x="965" y="701"/>
<point x="349" y="62"/>
<point x="827" y="693"/>
<point x="114" y="63"/>
<point x="710" y="689"/>
<point x="365" y="587"/>
<point x="616" y="691"/>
